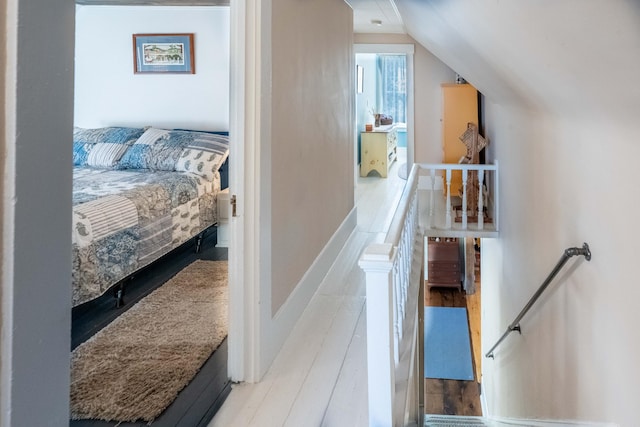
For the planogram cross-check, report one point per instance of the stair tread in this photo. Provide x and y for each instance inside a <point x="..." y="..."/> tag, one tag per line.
<point x="453" y="421"/>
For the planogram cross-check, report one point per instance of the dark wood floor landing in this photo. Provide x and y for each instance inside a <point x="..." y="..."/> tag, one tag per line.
<point x="451" y="397"/>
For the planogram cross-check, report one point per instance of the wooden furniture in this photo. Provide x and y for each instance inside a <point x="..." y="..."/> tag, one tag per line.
<point x="445" y="267"/>
<point x="460" y="107"/>
<point x="474" y="143"/>
<point x="378" y="150"/>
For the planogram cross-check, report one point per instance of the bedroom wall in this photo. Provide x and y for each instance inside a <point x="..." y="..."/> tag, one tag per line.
<point x="107" y="92"/>
<point x="429" y="73"/>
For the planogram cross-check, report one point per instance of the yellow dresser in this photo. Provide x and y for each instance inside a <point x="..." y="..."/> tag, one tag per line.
<point x="378" y="150"/>
<point x="460" y="106"/>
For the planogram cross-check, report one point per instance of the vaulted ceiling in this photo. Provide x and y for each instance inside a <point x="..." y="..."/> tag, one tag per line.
<point x="570" y="57"/>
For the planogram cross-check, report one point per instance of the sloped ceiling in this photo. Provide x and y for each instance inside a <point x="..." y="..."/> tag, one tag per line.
<point x="567" y="57"/>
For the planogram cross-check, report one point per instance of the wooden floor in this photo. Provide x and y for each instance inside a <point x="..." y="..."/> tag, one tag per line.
<point x="197" y="403"/>
<point x="451" y="397"/>
<point x="319" y="377"/>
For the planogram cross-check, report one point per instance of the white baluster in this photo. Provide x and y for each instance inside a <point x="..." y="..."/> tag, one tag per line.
<point x="403" y="266"/>
<point x="464" y="199"/>
<point x="480" y="199"/>
<point x="400" y="322"/>
<point x="431" y="198"/>
<point x="377" y="263"/>
<point x="396" y="315"/>
<point x="448" y="212"/>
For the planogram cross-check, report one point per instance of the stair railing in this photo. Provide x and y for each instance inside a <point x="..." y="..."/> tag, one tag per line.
<point x="393" y="283"/>
<point x="515" y="325"/>
<point x="481" y="178"/>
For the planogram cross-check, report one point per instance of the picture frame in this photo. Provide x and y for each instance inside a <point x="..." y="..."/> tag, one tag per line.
<point x="163" y="53"/>
<point x="360" y="78"/>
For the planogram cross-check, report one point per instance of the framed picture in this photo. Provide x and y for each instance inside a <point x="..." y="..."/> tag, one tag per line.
<point x="163" y="53"/>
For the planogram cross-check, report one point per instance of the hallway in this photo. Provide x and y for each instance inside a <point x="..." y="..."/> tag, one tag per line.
<point x="319" y="377"/>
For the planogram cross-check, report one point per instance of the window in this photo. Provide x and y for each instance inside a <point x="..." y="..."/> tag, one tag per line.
<point x="392" y="90"/>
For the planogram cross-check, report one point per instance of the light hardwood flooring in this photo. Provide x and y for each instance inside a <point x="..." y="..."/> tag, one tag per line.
<point x="319" y="376"/>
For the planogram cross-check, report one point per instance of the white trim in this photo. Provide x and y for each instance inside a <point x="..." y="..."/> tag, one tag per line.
<point x="483" y="396"/>
<point x="410" y="113"/>
<point x="408" y="49"/>
<point x="503" y="421"/>
<point x="244" y="121"/>
<point x="289" y="313"/>
<point x="8" y="214"/>
<point x="506" y="421"/>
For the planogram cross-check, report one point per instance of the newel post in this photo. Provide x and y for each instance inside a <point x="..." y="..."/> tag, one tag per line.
<point x="377" y="263"/>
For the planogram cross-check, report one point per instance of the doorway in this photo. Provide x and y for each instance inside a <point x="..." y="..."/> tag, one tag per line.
<point x="384" y="85"/>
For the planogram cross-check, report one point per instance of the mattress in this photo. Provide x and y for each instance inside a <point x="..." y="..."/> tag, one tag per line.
<point x="125" y="219"/>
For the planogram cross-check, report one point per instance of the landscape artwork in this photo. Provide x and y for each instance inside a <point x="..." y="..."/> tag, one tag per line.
<point x="163" y="53"/>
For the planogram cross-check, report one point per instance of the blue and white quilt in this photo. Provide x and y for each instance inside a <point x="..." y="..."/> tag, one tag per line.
<point x="130" y="207"/>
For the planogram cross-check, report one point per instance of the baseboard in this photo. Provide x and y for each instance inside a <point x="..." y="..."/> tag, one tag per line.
<point x="483" y="401"/>
<point x="503" y="421"/>
<point x="284" y="320"/>
<point x="506" y="421"/>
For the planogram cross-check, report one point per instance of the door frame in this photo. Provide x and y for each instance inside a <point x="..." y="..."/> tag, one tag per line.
<point x="394" y="49"/>
<point x="244" y="334"/>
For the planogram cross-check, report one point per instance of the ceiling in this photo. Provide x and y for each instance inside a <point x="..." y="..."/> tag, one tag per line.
<point x="384" y="11"/>
<point x="364" y="11"/>
<point x="153" y="2"/>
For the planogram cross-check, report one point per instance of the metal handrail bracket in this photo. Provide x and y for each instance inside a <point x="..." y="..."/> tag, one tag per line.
<point x="515" y="325"/>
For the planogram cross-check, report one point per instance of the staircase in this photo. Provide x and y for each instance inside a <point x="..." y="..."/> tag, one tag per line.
<point x="453" y="421"/>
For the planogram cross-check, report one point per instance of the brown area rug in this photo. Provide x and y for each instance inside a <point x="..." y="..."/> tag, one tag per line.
<point x="136" y="366"/>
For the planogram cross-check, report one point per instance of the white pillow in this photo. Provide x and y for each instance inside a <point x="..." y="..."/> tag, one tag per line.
<point x="106" y="154"/>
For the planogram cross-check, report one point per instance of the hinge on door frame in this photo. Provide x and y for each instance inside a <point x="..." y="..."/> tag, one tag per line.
<point x="233" y="202"/>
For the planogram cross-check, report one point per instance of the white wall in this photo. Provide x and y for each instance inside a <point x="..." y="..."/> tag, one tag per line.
<point x="107" y="92"/>
<point x="312" y="122"/>
<point x="563" y="124"/>
<point x="306" y="156"/>
<point x="366" y="100"/>
<point x="565" y="185"/>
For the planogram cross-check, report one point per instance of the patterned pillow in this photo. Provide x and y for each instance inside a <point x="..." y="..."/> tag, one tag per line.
<point x="81" y="153"/>
<point x="182" y="150"/>
<point x="106" y="155"/>
<point x="153" y="150"/>
<point x="204" y="154"/>
<point x="85" y="140"/>
<point x="113" y="134"/>
<point x="200" y="162"/>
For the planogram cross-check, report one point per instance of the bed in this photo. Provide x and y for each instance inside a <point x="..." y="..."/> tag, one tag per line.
<point x="139" y="193"/>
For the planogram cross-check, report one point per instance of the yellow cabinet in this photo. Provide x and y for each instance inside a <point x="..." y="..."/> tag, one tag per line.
<point x="460" y="106"/>
<point x="378" y="150"/>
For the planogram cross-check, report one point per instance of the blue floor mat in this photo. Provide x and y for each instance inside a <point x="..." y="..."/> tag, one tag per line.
<point x="447" y="346"/>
